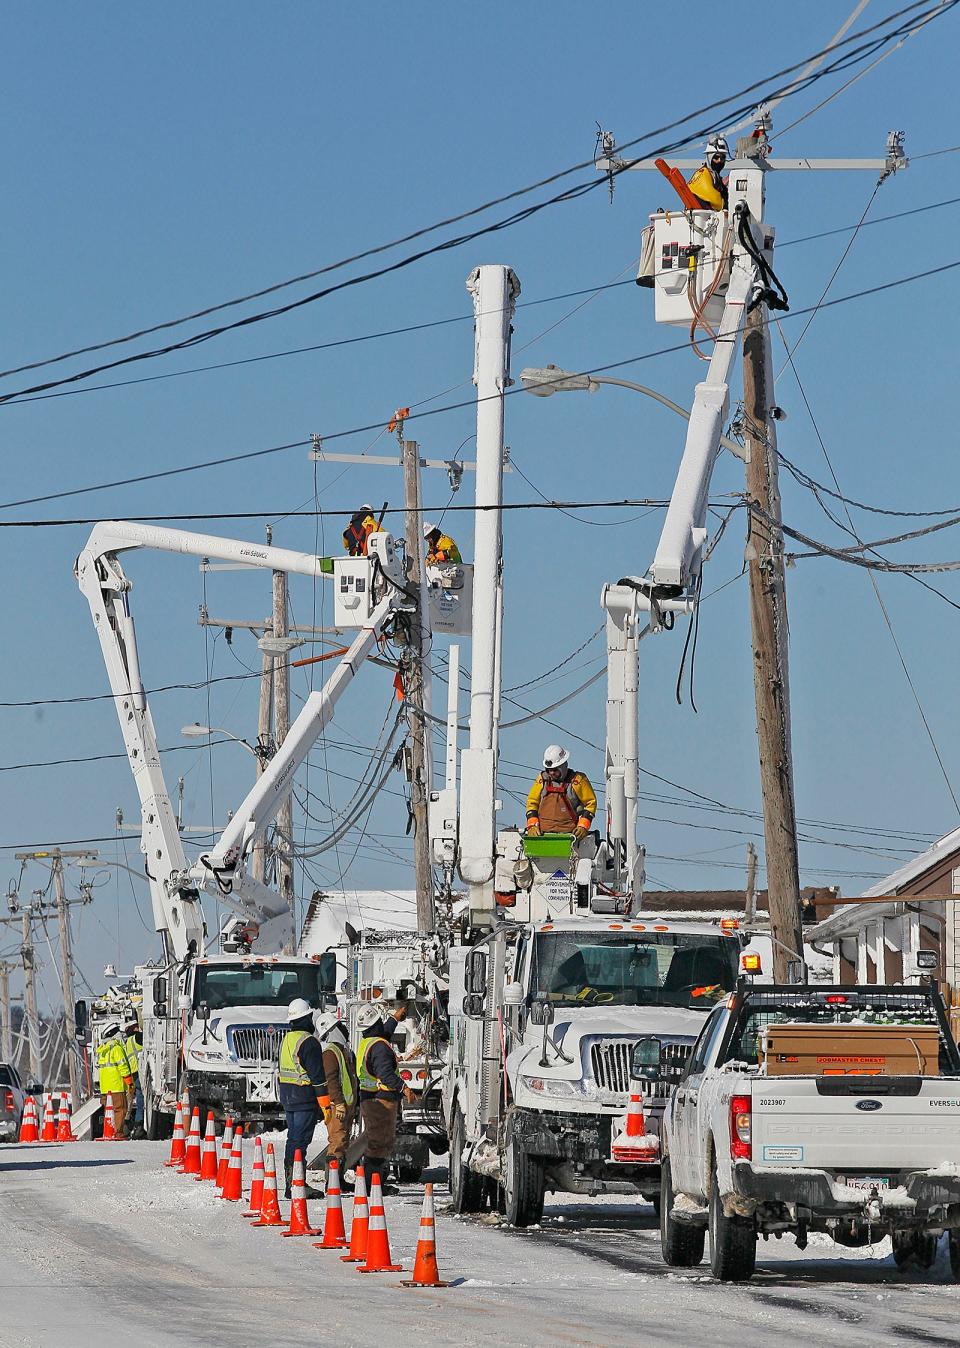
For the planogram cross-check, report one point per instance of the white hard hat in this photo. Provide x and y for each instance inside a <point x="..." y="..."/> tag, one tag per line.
<point x="717" y="145"/>
<point x="555" y="756"/>
<point x="429" y="529"/>
<point x="368" y="1015"/>
<point x="298" y="1008"/>
<point x="111" y="1028"/>
<point x="326" y="1023"/>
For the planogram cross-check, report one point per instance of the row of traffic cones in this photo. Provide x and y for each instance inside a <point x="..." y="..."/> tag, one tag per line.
<point x="54" y="1128"/>
<point x="369" y="1245"/>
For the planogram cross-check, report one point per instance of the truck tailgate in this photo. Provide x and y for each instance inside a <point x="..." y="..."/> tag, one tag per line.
<point x="856" y="1124"/>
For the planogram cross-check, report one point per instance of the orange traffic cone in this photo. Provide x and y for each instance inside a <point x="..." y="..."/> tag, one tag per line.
<point x="109" y="1133"/>
<point x="358" y="1221"/>
<point x="634" y="1144"/>
<point x="29" y="1132"/>
<point x="270" y="1206"/>
<point x="425" y="1272"/>
<point x="233" y="1184"/>
<point x="334" y="1236"/>
<point x="177" y="1146"/>
<point x="256" y="1184"/>
<point x="226" y="1147"/>
<point x="378" y="1243"/>
<point x="64" y="1127"/>
<point x="299" y="1219"/>
<point x="191" y="1162"/>
<point x="49" y="1133"/>
<point x="208" y="1152"/>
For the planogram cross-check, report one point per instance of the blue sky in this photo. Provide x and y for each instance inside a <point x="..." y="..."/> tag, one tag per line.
<point x="162" y="160"/>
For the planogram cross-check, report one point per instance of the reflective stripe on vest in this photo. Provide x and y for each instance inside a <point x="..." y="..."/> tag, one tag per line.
<point x="133" y="1058"/>
<point x="346" y="1081"/>
<point x="364" y="1079"/>
<point x="291" y="1072"/>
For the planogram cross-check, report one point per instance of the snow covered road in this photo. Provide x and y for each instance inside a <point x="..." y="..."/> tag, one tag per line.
<point x="100" y="1242"/>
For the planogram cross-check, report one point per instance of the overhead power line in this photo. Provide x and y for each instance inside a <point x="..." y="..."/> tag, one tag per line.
<point x="841" y="62"/>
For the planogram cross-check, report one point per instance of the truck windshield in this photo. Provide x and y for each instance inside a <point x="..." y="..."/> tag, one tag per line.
<point x="262" y="984"/>
<point x="573" y="968"/>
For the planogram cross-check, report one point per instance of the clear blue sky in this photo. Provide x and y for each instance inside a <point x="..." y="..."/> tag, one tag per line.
<point x="162" y="159"/>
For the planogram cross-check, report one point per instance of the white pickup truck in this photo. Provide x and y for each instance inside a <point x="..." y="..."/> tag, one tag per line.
<point x="825" y="1137"/>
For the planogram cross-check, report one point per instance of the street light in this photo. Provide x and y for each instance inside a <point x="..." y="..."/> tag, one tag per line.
<point x="197" y="731"/>
<point x="552" y="379"/>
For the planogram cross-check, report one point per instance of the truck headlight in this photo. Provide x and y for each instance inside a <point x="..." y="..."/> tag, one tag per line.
<point x="551" y="1086"/>
<point x="209" y="1054"/>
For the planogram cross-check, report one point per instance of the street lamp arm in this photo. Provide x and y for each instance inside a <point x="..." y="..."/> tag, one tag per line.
<point x="725" y="440"/>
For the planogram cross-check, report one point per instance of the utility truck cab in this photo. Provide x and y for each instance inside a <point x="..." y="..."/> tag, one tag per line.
<point x="554" y="1024"/>
<point x="223" y="1032"/>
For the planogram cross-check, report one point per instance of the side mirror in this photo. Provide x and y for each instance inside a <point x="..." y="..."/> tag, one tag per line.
<point x="541" y="1013"/>
<point x="160" y="988"/>
<point x="328" y="971"/>
<point x="203" y="1011"/>
<point x="475" y="973"/>
<point x="80" y="1018"/>
<point x="646" y="1059"/>
<point x="35" y="1088"/>
<point x="160" y="1010"/>
<point x="473" y="1006"/>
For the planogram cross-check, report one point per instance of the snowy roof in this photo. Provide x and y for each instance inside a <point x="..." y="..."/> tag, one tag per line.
<point x="330" y="910"/>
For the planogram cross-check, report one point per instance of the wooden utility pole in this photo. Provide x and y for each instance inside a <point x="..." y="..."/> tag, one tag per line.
<point x="281" y="724"/>
<point x="750" y="897"/>
<point x="414" y="689"/>
<point x="66" y="978"/>
<point x="6" y="1018"/>
<point x="768" y="623"/>
<point x="27" y="959"/>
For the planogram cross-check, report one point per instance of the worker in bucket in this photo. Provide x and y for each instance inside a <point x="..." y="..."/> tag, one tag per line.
<point x="560" y="800"/>
<point x="340" y="1069"/>
<point x="303" y="1085"/>
<point x="440" y="546"/>
<point x="707" y="183"/>
<point x="115" y="1074"/>
<point x="133" y="1044"/>
<point x="381" y="1086"/>
<point x="356" y="535"/>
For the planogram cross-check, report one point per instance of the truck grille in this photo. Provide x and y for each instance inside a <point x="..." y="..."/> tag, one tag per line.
<point x="610" y="1064"/>
<point x="256" y="1043"/>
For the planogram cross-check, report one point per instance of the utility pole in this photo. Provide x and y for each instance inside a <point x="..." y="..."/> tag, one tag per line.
<point x="414" y="689"/>
<point x="6" y="1019"/>
<point x="750" y="896"/>
<point x="769" y="634"/>
<point x="28" y="961"/>
<point x="281" y="725"/>
<point x="66" y="978"/>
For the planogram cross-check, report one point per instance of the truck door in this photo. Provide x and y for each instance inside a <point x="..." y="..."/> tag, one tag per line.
<point x="685" y="1150"/>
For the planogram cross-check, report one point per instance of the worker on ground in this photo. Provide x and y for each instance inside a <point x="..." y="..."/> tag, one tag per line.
<point x="133" y="1044"/>
<point x="707" y="183"/>
<point x="363" y="523"/>
<point x="116" y="1076"/>
<point x="340" y="1068"/>
<point x="440" y="546"/>
<point x="303" y="1085"/>
<point x="381" y="1087"/>
<point x="560" y="800"/>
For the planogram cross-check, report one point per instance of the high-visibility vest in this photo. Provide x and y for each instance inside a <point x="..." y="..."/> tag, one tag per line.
<point x="364" y="1079"/>
<point x="291" y="1072"/>
<point x="112" y="1065"/>
<point x="346" y="1080"/>
<point x="133" y="1056"/>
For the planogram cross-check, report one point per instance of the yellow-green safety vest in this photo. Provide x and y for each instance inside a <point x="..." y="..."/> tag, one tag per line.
<point x="133" y="1057"/>
<point x="365" y="1080"/>
<point x="113" y="1066"/>
<point x="291" y="1072"/>
<point x="346" y="1081"/>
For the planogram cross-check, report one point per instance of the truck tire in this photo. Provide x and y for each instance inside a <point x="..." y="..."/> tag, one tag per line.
<point x="156" y="1125"/>
<point x="913" y="1249"/>
<point x="466" y="1188"/>
<point x="523" y="1184"/>
<point x="408" y="1172"/>
<point x="681" y="1244"/>
<point x="953" y="1240"/>
<point x="733" y="1242"/>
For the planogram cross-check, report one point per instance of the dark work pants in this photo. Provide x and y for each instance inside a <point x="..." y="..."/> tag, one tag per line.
<point x="301" y="1121"/>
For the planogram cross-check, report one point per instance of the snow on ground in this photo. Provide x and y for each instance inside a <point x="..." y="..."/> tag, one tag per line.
<point x="101" y="1241"/>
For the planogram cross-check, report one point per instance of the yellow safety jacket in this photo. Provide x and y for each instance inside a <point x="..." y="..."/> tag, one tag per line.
<point x="346" y="1079"/>
<point x="575" y="798"/>
<point x="113" y="1066"/>
<point x="291" y="1073"/>
<point x="445" y="551"/>
<point x="133" y="1056"/>
<point x="704" y="187"/>
<point x="364" y="1079"/>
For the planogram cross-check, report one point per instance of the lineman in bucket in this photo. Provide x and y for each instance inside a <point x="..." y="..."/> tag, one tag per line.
<point x="380" y="1086"/>
<point x="303" y="1085"/>
<point x="560" y="800"/>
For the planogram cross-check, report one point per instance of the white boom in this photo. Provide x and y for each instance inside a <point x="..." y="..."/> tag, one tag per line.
<point x="174" y="885"/>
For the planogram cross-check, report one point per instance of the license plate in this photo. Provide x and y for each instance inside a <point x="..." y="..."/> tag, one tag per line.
<point x="868" y="1182"/>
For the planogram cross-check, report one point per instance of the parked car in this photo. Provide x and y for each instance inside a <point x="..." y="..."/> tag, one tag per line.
<point x="832" y="1109"/>
<point x="12" y="1097"/>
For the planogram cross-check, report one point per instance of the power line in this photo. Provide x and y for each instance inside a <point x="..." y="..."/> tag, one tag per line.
<point x="850" y="58"/>
<point x="449" y="407"/>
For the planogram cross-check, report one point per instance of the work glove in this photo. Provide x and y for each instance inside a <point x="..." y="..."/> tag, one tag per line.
<point x="580" y="831"/>
<point x="339" y="1112"/>
<point x="533" y="828"/>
